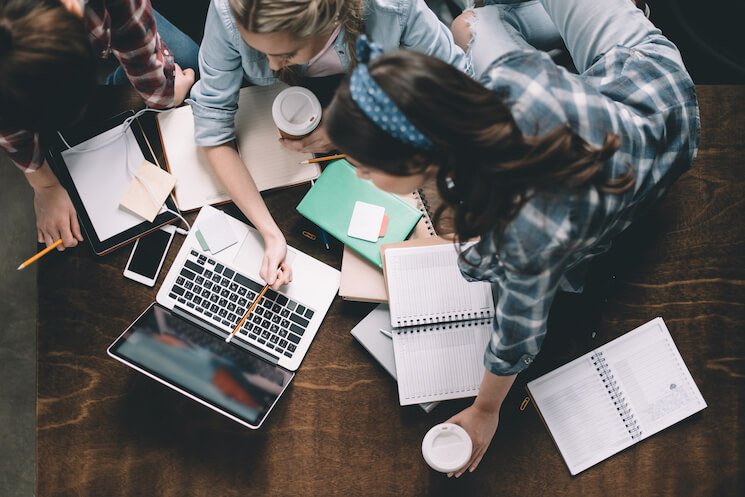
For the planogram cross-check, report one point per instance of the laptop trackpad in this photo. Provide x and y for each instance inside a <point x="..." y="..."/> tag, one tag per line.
<point x="249" y="257"/>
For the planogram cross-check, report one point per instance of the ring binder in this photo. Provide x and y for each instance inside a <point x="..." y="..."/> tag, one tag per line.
<point x="611" y="385"/>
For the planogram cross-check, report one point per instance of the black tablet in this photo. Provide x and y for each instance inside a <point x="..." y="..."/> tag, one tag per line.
<point x="96" y="166"/>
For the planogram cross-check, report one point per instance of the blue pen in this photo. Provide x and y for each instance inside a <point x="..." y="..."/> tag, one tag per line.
<point x="323" y="233"/>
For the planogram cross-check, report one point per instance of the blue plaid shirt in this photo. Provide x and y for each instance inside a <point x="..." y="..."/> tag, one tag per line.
<point x="642" y="94"/>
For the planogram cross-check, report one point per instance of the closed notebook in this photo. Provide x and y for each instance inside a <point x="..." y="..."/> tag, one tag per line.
<point x="616" y="396"/>
<point x="330" y="203"/>
<point x="271" y="165"/>
<point x="363" y="281"/>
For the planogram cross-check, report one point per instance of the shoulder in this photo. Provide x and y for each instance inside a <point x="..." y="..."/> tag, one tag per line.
<point x="390" y="8"/>
<point x="220" y="9"/>
<point x="543" y="234"/>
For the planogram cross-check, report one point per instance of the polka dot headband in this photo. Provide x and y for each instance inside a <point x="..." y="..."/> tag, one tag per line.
<point x="376" y="105"/>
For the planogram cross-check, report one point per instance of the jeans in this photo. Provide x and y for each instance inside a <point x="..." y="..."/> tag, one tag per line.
<point x="185" y="50"/>
<point x="588" y="28"/>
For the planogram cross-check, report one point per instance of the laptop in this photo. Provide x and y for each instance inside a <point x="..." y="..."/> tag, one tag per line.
<point x="180" y="339"/>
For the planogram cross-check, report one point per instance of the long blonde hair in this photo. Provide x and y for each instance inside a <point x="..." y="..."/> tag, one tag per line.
<point x="302" y="18"/>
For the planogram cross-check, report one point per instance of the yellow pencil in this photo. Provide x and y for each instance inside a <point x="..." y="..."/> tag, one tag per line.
<point x="322" y="159"/>
<point x="245" y="316"/>
<point x="38" y="256"/>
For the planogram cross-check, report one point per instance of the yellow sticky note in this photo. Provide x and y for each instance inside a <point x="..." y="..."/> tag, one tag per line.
<point x="148" y="190"/>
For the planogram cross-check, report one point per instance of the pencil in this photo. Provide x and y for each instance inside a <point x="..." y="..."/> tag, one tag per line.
<point x="322" y="159"/>
<point x="38" y="256"/>
<point x="245" y="316"/>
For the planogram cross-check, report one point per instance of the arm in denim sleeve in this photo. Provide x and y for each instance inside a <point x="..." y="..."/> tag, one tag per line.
<point x="214" y="98"/>
<point x="144" y="56"/>
<point x="424" y="32"/>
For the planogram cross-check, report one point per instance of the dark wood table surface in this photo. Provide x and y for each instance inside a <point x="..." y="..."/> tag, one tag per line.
<point x="105" y="430"/>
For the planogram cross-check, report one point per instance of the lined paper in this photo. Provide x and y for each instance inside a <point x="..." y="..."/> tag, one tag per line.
<point x="426" y="286"/>
<point x="271" y="164"/>
<point x="440" y="362"/>
<point x="651" y="379"/>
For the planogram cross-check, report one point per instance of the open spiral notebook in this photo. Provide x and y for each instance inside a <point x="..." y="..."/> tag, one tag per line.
<point x="616" y="395"/>
<point x="441" y="322"/>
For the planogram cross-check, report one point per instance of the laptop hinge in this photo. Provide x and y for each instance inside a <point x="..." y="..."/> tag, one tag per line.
<point x="181" y="312"/>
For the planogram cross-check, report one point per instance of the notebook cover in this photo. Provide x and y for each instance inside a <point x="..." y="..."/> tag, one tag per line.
<point x="330" y="203"/>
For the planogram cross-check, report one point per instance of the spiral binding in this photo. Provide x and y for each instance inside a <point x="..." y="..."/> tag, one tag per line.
<point x="447" y="317"/>
<point x="424" y="207"/>
<point x="444" y="326"/>
<point x="622" y="405"/>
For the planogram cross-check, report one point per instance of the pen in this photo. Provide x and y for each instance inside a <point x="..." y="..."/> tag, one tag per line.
<point x="386" y="332"/>
<point x="38" y="256"/>
<point x="323" y="233"/>
<point x="245" y="316"/>
<point x="322" y="159"/>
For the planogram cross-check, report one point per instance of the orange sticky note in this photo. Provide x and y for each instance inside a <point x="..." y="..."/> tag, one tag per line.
<point x="383" y="225"/>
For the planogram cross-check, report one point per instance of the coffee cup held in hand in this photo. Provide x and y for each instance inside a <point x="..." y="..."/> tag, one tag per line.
<point x="296" y="112"/>
<point x="447" y="447"/>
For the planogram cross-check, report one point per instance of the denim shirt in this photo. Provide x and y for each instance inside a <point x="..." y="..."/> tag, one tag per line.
<point x="225" y="59"/>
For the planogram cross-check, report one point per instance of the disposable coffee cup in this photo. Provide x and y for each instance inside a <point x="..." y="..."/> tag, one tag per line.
<point x="447" y="447"/>
<point x="296" y="112"/>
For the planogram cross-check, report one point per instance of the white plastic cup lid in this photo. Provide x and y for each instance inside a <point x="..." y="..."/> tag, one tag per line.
<point x="446" y="447"/>
<point x="296" y="111"/>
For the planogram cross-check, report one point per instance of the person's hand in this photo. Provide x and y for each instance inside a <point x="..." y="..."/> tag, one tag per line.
<point x="56" y="217"/>
<point x="274" y="268"/>
<point x="183" y="81"/>
<point x="481" y="424"/>
<point x="316" y="142"/>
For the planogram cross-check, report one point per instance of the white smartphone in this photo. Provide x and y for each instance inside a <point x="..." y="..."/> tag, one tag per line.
<point x="148" y="255"/>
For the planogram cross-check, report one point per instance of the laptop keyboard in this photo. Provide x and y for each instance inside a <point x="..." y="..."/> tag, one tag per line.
<point x="221" y="295"/>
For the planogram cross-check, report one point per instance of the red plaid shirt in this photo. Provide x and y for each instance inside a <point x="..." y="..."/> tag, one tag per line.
<point x="126" y="29"/>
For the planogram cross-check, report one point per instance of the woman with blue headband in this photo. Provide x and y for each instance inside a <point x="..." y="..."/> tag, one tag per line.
<point x="545" y="166"/>
<point x="263" y="41"/>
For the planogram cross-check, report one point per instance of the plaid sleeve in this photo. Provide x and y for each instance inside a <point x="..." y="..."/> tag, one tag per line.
<point x="23" y="148"/>
<point x="144" y="56"/>
<point x="525" y="268"/>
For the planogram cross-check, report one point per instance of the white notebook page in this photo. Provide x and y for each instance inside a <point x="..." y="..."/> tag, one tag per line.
<point x="580" y="414"/>
<point x="654" y="378"/>
<point x="426" y="286"/>
<point x="650" y="377"/>
<point x="271" y="164"/>
<point x="440" y="362"/>
<point x="196" y="184"/>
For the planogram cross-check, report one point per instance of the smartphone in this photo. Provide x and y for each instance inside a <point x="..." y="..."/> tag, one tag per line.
<point x="148" y="255"/>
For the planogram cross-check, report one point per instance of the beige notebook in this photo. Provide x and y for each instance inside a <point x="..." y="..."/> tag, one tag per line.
<point x="271" y="165"/>
<point x="361" y="280"/>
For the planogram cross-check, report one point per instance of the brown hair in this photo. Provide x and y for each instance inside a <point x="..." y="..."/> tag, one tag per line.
<point x="46" y="65"/>
<point x="302" y="18"/>
<point x="494" y="167"/>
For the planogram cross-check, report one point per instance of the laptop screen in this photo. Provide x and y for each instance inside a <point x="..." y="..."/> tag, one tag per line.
<point x="200" y="364"/>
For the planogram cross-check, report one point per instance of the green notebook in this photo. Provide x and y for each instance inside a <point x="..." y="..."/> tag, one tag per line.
<point x="330" y="203"/>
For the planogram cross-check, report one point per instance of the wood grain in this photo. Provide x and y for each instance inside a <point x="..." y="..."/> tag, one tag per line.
<point x="104" y="429"/>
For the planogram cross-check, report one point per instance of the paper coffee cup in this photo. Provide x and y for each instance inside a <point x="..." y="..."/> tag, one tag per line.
<point x="296" y="112"/>
<point x="446" y="447"/>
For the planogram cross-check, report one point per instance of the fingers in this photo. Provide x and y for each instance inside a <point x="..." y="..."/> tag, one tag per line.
<point x="189" y="74"/>
<point x="75" y="227"/>
<point x="294" y="145"/>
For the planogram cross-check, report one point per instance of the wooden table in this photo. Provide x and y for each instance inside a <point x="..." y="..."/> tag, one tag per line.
<point x="105" y="430"/>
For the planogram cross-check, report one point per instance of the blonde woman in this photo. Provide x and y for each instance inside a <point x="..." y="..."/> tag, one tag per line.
<point x="262" y="41"/>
